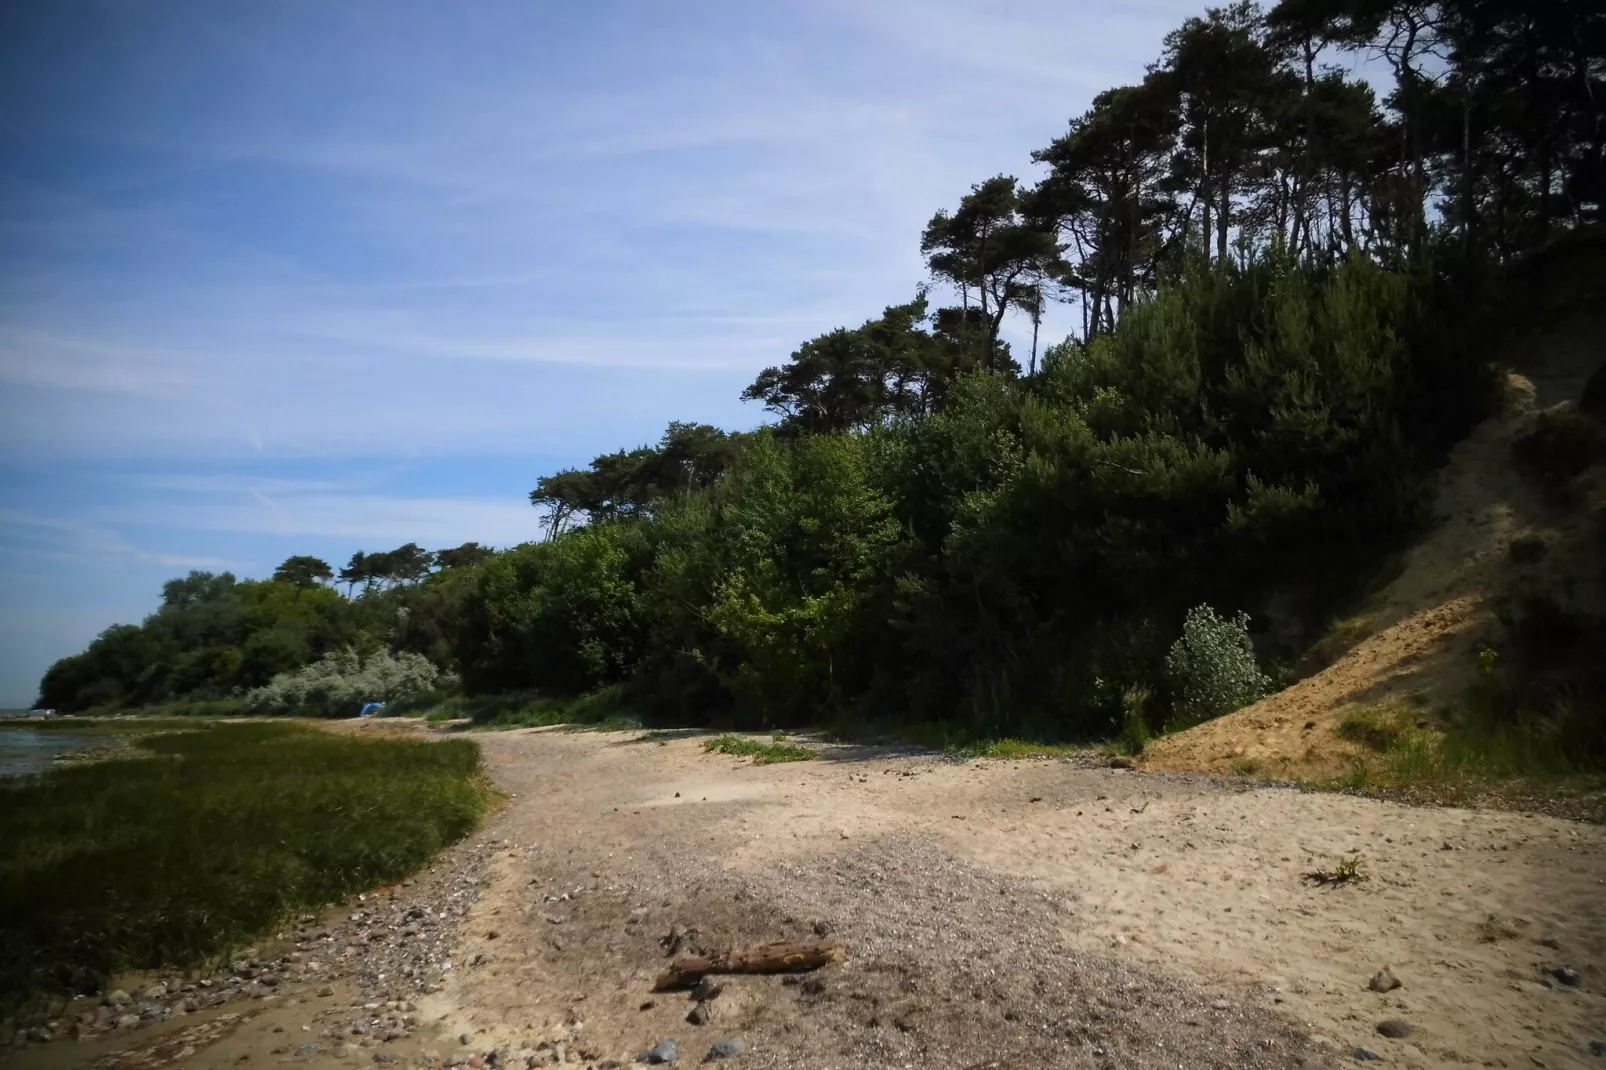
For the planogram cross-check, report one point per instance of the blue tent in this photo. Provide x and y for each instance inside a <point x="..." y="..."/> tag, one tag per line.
<point x="371" y="709"/>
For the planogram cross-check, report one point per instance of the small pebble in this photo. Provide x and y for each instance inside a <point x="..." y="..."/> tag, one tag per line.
<point x="665" y="1051"/>
<point x="1395" y="1029"/>
<point x="1367" y="1055"/>
<point x="1566" y="975"/>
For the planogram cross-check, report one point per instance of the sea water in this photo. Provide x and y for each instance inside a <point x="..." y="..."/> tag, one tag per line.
<point x="28" y="750"/>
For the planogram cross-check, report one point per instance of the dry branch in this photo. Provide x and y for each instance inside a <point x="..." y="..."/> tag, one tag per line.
<point x="766" y="958"/>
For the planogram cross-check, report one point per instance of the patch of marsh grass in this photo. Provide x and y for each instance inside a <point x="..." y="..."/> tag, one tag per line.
<point x="168" y="861"/>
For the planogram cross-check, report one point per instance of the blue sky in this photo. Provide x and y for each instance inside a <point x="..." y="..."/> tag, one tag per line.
<point x="311" y="277"/>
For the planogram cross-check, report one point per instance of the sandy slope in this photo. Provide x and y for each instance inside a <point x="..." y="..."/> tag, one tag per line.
<point x="1034" y="913"/>
<point x="1413" y="648"/>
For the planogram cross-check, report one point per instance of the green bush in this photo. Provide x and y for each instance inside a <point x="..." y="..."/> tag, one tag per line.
<point x="1211" y="669"/>
<point x="1561" y="445"/>
<point x="341" y="683"/>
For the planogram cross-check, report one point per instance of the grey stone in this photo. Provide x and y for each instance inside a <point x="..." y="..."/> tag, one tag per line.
<point x="1384" y="981"/>
<point x="1597" y="1047"/>
<point x="127" y="1021"/>
<point x="727" y="1048"/>
<point x="1367" y="1055"/>
<point x="1566" y="975"/>
<point x="706" y="989"/>
<point x="701" y="1014"/>
<point x="117" y="997"/>
<point x="665" y="1051"/>
<point x="1395" y="1029"/>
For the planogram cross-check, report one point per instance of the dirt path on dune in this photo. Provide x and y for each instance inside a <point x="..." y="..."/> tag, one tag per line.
<point x="1017" y="914"/>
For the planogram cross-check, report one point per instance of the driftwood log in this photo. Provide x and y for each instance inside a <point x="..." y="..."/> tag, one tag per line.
<point x="766" y="958"/>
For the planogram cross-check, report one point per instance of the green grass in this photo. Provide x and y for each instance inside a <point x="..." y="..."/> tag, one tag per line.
<point x="1374" y="728"/>
<point x="172" y="860"/>
<point x="602" y="710"/>
<point x="1529" y="764"/>
<point x="1015" y="748"/>
<point x="772" y="753"/>
<point x="964" y="743"/>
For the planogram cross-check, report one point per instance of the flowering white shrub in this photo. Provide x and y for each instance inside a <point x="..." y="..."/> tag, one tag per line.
<point x="1211" y="669"/>
<point x="342" y="681"/>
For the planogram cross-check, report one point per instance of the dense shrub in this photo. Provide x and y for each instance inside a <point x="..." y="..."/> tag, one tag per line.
<point x="564" y="615"/>
<point x="342" y="682"/>
<point x="1211" y="669"/>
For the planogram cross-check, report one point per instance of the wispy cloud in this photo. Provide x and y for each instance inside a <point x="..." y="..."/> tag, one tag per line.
<point x="26" y="535"/>
<point x="363" y="519"/>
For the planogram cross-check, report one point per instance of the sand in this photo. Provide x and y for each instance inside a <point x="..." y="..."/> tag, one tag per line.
<point x="1032" y="913"/>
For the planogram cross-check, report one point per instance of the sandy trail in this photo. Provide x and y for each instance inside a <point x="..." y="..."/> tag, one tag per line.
<point x="1028" y="913"/>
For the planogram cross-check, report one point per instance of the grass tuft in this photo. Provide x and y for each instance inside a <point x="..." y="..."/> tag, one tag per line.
<point x="1015" y="748"/>
<point x="169" y="861"/>
<point x="1346" y="871"/>
<point x="775" y="752"/>
<point x="1374" y="728"/>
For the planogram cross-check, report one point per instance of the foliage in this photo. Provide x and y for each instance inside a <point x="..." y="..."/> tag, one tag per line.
<point x="607" y="707"/>
<point x="118" y="865"/>
<point x="689" y="457"/>
<point x="1211" y="669"/>
<point x="303" y="571"/>
<point x="342" y="682"/>
<point x="1015" y="562"/>
<point x="563" y="615"/>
